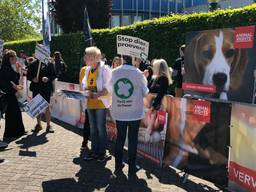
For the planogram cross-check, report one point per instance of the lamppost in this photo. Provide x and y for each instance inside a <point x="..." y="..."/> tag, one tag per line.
<point x="213" y="5"/>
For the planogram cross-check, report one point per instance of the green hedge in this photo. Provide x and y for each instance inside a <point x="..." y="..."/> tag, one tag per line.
<point x="165" y="35"/>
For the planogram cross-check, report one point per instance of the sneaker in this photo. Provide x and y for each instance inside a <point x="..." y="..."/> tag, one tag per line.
<point x="90" y="157"/>
<point x="84" y="146"/>
<point x="37" y="128"/>
<point x="49" y="129"/>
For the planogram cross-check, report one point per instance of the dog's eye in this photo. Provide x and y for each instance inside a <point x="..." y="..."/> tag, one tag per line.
<point x="230" y="53"/>
<point x="208" y="54"/>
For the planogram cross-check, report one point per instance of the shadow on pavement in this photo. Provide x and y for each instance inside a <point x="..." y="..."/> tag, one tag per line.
<point x="93" y="175"/>
<point x="31" y="141"/>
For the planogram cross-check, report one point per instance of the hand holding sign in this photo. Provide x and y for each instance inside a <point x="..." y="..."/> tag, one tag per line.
<point x="132" y="46"/>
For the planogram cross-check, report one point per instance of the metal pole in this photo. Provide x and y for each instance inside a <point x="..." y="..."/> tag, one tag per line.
<point x="176" y="6"/>
<point x="160" y="7"/>
<point x="122" y="11"/>
<point x="150" y="7"/>
<point x="168" y="6"/>
<point x="43" y="16"/>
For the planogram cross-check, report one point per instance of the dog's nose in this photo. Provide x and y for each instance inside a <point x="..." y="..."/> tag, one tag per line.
<point x="219" y="79"/>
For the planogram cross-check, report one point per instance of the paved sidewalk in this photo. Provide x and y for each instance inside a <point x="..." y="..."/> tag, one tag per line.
<point x="52" y="163"/>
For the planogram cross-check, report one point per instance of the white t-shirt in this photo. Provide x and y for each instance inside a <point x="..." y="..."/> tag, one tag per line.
<point x="129" y="87"/>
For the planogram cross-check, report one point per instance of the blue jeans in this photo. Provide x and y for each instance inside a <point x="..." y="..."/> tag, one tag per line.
<point x="97" y="119"/>
<point x="133" y="130"/>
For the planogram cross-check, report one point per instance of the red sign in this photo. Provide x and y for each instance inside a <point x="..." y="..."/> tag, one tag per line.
<point x="202" y="110"/>
<point x="199" y="87"/>
<point x="161" y="117"/>
<point x="242" y="176"/>
<point x="244" y="37"/>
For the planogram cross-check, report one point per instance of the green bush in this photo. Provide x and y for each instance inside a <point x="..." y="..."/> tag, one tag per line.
<point x="165" y="35"/>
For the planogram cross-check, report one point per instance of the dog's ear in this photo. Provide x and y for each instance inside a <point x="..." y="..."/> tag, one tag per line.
<point x="238" y="67"/>
<point x="192" y="60"/>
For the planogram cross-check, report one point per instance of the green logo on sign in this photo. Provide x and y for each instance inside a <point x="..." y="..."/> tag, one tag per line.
<point x="123" y="88"/>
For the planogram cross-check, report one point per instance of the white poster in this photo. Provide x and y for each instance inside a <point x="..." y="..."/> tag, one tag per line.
<point x="1" y="47"/>
<point x="36" y="106"/>
<point x="42" y="53"/>
<point x="132" y="46"/>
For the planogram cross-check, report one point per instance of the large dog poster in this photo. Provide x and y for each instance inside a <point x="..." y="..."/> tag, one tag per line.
<point x="220" y="64"/>
<point x="199" y="146"/>
<point x="242" y="166"/>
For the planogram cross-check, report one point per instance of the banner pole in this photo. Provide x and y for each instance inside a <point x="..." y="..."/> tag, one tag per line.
<point x="38" y="71"/>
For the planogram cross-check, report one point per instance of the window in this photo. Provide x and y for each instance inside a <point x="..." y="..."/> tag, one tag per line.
<point x="155" y="5"/>
<point x="115" y="20"/>
<point x="128" y="4"/>
<point x="126" y="20"/>
<point x="116" y="5"/>
<point x="137" y="18"/>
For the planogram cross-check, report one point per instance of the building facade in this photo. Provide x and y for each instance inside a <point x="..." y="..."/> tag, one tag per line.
<point x="126" y="12"/>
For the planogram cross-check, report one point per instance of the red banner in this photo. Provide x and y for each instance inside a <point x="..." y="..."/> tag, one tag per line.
<point x="199" y="87"/>
<point x="242" y="176"/>
<point x="244" y="37"/>
<point x="202" y="110"/>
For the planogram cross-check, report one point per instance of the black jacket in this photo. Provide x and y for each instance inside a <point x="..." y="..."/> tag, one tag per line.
<point x="47" y="70"/>
<point x="8" y="75"/>
<point x="160" y="87"/>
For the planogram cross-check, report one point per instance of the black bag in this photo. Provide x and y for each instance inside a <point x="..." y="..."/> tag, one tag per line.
<point x="3" y="102"/>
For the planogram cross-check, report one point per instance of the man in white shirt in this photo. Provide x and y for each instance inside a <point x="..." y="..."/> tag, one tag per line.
<point x="129" y="87"/>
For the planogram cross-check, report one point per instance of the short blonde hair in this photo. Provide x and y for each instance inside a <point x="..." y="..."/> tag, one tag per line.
<point x="93" y="52"/>
<point x="162" y="69"/>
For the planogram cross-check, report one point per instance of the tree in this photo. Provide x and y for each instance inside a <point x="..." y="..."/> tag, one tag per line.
<point x="19" y="19"/>
<point x="70" y="14"/>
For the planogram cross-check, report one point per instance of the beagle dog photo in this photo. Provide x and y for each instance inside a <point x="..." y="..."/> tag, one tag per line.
<point x="211" y="59"/>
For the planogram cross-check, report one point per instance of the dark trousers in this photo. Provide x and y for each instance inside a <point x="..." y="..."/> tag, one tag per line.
<point x="133" y="129"/>
<point x="86" y="130"/>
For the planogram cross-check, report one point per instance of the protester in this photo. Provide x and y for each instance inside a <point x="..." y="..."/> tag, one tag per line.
<point x="178" y="72"/>
<point x="116" y="62"/>
<point x="129" y="87"/>
<point x="22" y="59"/>
<point x="158" y="89"/>
<point x="42" y="84"/>
<point x="60" y="66"/>
<point x="9" y="83"/>
<point x="97" y="81"/>
<point x="86" y="129"/>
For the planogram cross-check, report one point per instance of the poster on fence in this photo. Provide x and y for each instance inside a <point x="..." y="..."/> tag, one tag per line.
<point x="36" y="106"/>
<point x="242" y="166"/>
<point x="220" y="64"/>
<point x="66" y="109"/>
<point x="152" y="131"/>
<point x="197" y="138"/>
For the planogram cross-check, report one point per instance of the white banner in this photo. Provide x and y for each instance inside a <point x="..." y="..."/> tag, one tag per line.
<point x="42" y="53"/>
<point x="1" y="47"/>
<point x="36" y="106"/>
<point x="132" y="46"/>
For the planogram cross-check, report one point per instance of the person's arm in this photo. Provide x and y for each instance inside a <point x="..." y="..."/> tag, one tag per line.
<point x="144" y="85"/>
<point x="51" y="73"/>
<point x="162" y="87"/>
<point x="107" y="76"/>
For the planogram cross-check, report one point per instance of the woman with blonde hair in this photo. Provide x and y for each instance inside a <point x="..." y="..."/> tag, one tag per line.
<point x="116" y="62"/>
<point x="97" y="82"/>
<point x="157" y="90"/>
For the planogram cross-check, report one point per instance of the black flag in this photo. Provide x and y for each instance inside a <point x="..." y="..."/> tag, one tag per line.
<point x="87" y="29"/>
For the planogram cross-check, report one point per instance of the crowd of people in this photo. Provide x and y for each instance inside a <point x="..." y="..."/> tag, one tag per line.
<point x="128" y="78"/>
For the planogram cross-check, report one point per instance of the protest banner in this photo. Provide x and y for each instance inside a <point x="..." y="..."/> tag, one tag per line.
<point x="242" y="167"/>
<point x="132" y="46"/>
<point x="42" y="53"/>
<point x="198" y="145"/>
<point x="67" y="109"/>
<point x="36" y="106"/>
<point x="220" y="63"/>
<point x="1" y="47"/>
